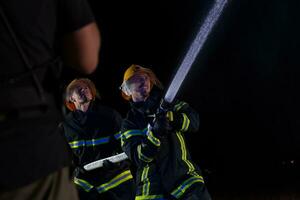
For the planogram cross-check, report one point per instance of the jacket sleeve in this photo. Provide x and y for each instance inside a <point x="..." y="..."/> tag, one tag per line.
<point x="117" y="118"/>
<point x="183" y="117"/>
<point x="75" y="143"/>
<point x="140" y="146"/>
<point x="115" y="139"/>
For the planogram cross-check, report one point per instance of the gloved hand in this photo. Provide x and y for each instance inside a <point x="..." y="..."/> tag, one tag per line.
<point x="161" y="125"/>
<point x="108" y="165"/>
<point x="165" y="106"/>
<point x="79" y="170"/>
<point x="175" y="119"/>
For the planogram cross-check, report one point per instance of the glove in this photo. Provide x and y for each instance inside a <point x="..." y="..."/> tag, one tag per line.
<point x="175" y="119"/>
<point x="108" y="165"/>
<point x="161" y="126"/>
<point x="165" y="106"/>
<point x="79" y="170"/>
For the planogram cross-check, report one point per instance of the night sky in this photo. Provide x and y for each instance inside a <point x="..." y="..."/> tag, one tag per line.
<point x="244" y="83"/>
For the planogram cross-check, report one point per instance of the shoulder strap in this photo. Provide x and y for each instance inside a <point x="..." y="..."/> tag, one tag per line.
<point x="22" y="55"/>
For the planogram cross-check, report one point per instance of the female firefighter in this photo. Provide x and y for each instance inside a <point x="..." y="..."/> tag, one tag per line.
<point x="159" y="152"/>
<point x="92" y="131"/>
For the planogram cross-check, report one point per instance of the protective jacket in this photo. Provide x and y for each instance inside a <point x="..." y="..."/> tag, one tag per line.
<point x="95" y="135"/>
<point x="164" y="166"/>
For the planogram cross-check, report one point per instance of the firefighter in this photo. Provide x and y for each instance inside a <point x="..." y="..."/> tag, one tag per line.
<point x="164" y="169"/>
<point x="92" y="131"/>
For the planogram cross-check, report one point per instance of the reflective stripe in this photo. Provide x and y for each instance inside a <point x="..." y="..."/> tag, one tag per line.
<point x="83" y="184"/>
<point x="194" y="173"/>
<point x="152" y="138"/>
<point x="150" y="197"/>
<point x="179" y="105"/>
<point x="122" y="141"/>
<point x="94" y="142"/>
<point x="121" y="178"/>
<point x="137" y="132"/>
<point x="77" y="144"/>
<point x="142" y="156"/>
<point x="170" y="116"/>
<point x="133" y="132"/>
<point x="185" y="123"/>
<point x="145" y="180"/>
<point x="184" y="154"/>
<point x="179" y="191"/>
<point x="118" y="135"/>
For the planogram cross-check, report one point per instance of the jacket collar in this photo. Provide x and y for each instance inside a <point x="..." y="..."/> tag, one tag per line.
<point x="151" y="104"/>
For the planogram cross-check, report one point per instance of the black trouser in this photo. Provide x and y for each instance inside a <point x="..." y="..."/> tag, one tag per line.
<point x="124" y="191"/>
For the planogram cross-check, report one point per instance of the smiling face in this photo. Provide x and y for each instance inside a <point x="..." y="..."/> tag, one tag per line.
<point x="139" y="87"/>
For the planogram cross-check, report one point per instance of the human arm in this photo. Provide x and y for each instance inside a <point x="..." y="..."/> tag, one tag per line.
<point x="183" y="118"/>
<point x="81" y="35"/>
<point x="140" y="145"/>
<point x="81" y="48"/>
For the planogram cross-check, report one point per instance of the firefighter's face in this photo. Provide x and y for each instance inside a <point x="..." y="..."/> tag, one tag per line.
<point x="139" y="86"/>
<point x="81" y="94"/>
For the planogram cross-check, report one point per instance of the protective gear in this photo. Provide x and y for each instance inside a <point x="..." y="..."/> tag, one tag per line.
<point x="133" y="70"/>
<point x="163" y="165"/>
<point x="161" y="125"/>
<point x="108" y="165"/>
<point x="73" y="85"/>
<point x="94" y="135"/>
<point x="175" y="120"/>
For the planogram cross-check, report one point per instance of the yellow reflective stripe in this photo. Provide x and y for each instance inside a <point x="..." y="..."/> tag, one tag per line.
<point x="122" y="142"/>
<point x="179" y="105"/>
<point x="142" y="156"/>
<point x="150" y="197"/>
<point x="145" y="180"/>
<point x="170" y="116"/>
<point x="194" y="173"/>
<point x="179" y="191"/>
<point x="83" y="184"/>
<point x="130" y="133"/>
<point x="183" y="123"/>
<point x="183" y="153"/>
<point x="134" y="132"/>
<point x="186" y="122"/>
<point x="121" y="178"/>
<point x="153" y="139"/>
<point x="77" y="144"/>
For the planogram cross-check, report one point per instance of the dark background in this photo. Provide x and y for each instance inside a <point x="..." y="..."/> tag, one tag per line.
<point x="244" y="83"/>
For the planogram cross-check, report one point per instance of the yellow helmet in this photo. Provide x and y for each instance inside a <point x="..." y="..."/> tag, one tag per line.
<point x="130" y="71"/>
<point x="134" y="70"/>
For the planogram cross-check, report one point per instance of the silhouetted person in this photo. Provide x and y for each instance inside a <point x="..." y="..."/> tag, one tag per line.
<point x="34" y="156"/>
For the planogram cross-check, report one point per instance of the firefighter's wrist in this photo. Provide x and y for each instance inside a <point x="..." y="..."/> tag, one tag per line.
<point x="153" y="138"/>
<point x="175" y="119"/>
